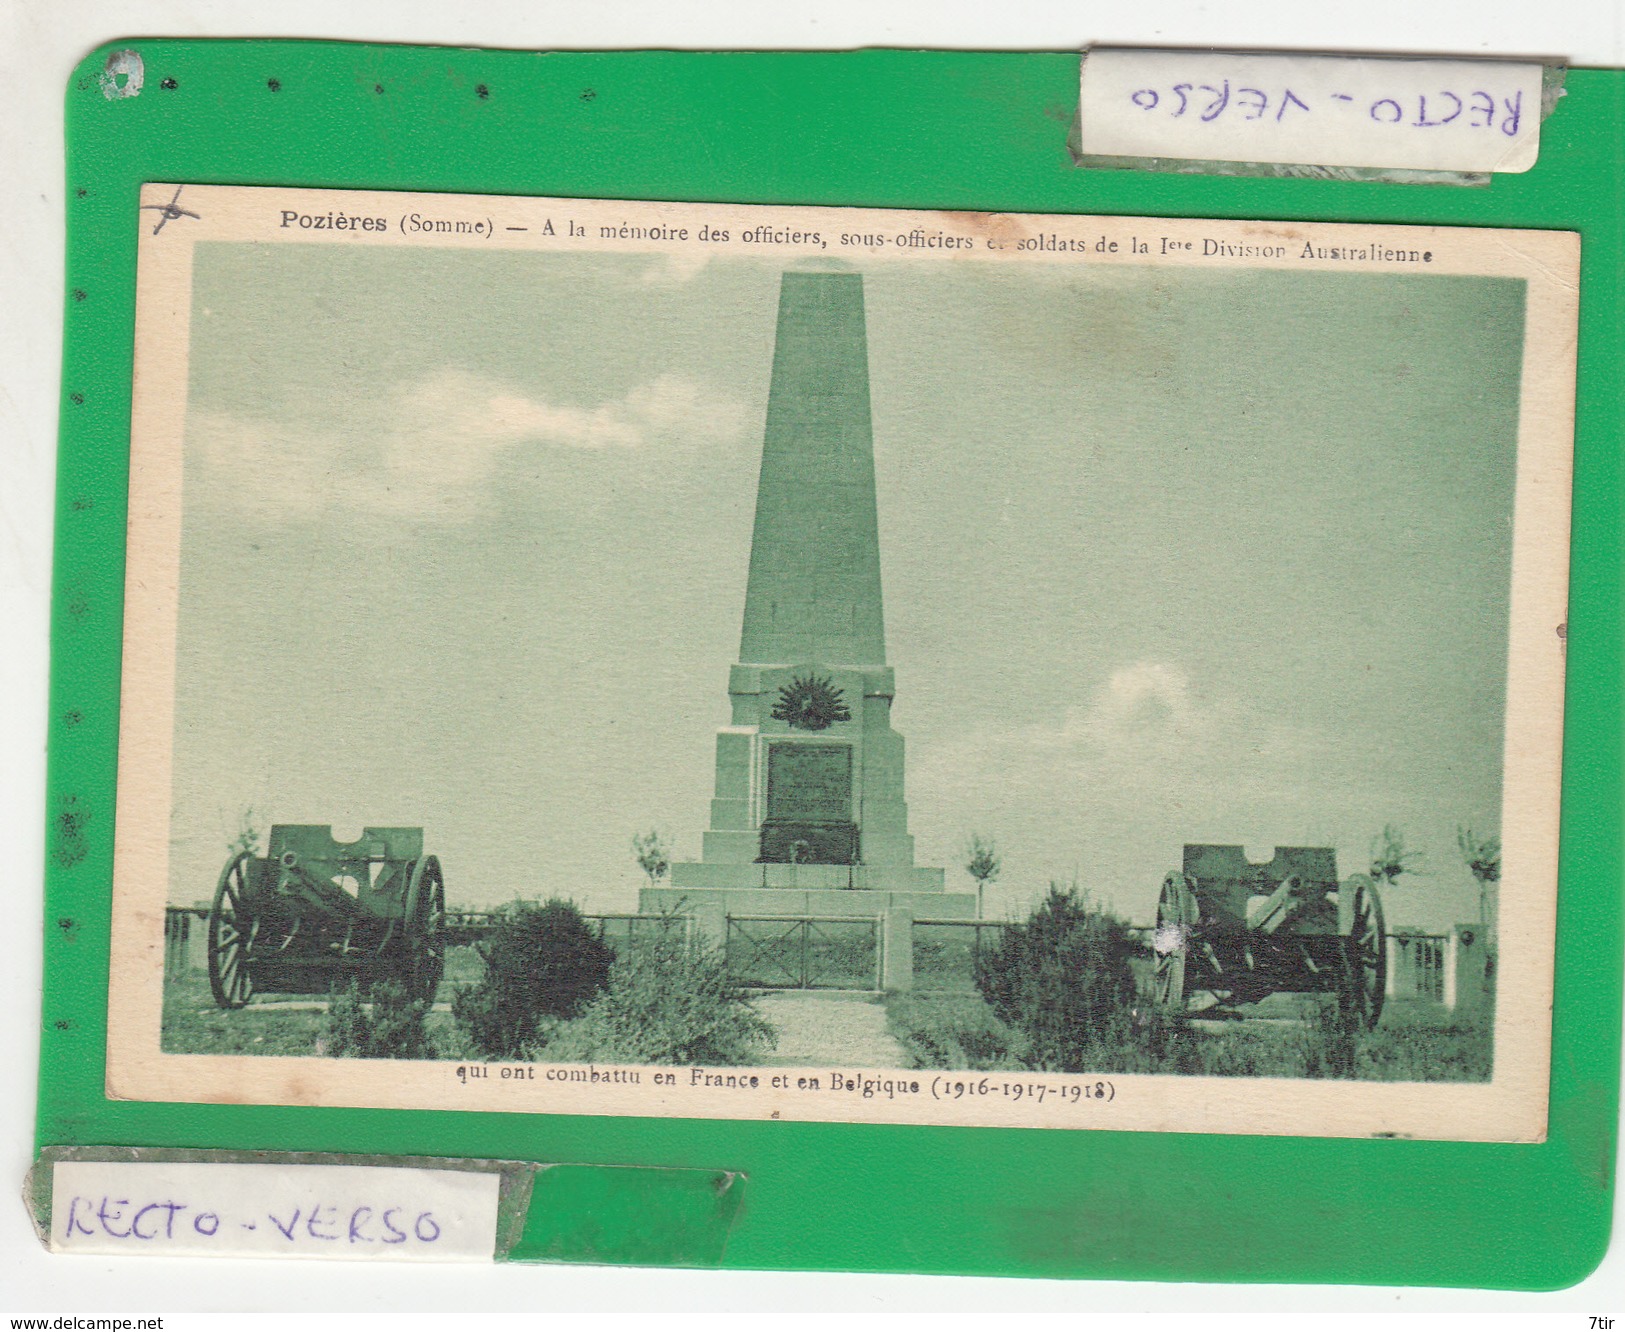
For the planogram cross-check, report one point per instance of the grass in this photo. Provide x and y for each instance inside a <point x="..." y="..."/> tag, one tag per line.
<point x="193" y="1025"/>
<point x="1420" y="1042"/>
<point x="952" y="1031"/>
<point x="1415" y="1042"/>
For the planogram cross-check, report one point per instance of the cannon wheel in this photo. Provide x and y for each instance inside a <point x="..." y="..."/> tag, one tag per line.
<point x="1176" y="916"/>
<point x="423" y="931"/>
<point x="231" y="935"/>
<point x="1365" y="951"/>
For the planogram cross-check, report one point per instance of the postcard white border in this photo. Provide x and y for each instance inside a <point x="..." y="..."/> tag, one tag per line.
<point x="1511" y="1107"/>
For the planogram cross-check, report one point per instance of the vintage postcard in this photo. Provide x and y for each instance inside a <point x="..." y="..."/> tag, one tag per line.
<point x="838" y="664"/>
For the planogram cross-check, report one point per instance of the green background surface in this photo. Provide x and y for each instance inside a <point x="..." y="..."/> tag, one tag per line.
<point x="920" y="130"/>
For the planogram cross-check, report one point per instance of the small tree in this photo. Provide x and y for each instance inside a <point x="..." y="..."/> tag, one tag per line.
<point x="982" y="864"/>
<point x="1064" y="979"/>
<point x="248" y="833"/>
<point x="542" y="963"/>
<point x="1482" y="856"/>
<point x="653" y="855"/>
<point x="1390" y="858"/>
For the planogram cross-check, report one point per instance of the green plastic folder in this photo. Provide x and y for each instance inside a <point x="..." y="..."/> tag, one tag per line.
<point x="957" y="132"/>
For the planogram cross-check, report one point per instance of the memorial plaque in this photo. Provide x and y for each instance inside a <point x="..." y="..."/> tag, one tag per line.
<point x="809" y="783"/>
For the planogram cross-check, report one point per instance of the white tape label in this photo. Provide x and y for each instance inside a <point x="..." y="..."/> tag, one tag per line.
<point x="260" y="1211"/>
<point x="1420" y="115"/>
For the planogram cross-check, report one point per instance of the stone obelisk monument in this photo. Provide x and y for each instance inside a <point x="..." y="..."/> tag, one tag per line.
<point x="808" y="815"/>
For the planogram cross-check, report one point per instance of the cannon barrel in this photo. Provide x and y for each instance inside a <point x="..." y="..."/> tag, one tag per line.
<point x="295" y="881"/>
<point x="1276" y="909"/>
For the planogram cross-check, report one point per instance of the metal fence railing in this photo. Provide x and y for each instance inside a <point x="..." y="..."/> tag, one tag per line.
<point x="622" y="930"/>
<point x="947" y="953"/>
<point x="186" y="932"/>
<point x="180" y="924"/>
<point x="465" y="928"/>
<point x="1416" y="966"/>
<point x="816" y="952"/>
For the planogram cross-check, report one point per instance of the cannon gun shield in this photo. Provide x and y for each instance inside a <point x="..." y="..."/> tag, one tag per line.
<point x="1244" y="930"/>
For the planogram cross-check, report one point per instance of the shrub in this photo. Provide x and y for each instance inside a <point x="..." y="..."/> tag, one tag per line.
<point x="541" y="964"/>
<point x="393" y="1029"/>
<point x="1063" y="979"/>
<point x="670" y="1001"/>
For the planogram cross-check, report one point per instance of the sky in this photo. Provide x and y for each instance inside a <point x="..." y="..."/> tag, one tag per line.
<point x="1168" y="556"/>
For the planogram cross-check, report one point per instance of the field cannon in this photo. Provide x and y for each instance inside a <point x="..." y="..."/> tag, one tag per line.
<point x="1241" y="931"/>
<point x="314" y="913"/>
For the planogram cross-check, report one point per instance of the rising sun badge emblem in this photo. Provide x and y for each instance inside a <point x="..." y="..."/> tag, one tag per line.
<point x="811" y="703"/>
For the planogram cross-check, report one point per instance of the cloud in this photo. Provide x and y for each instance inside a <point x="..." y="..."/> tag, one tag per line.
<point x="1146" y="719"/>
<point x="1152" y="754"/>
<point x="1147" y="703"/>
<point x="1148" y="736"/>
<point x="432" y="449"/>
<point x="1157" y="752"/>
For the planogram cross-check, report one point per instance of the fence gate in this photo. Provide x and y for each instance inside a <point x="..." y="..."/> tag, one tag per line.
<point x="804" y="952"/>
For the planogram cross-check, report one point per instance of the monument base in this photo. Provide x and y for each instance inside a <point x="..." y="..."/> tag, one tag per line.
<point x="743" y="876"/>
<point x="711" y="906"/>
